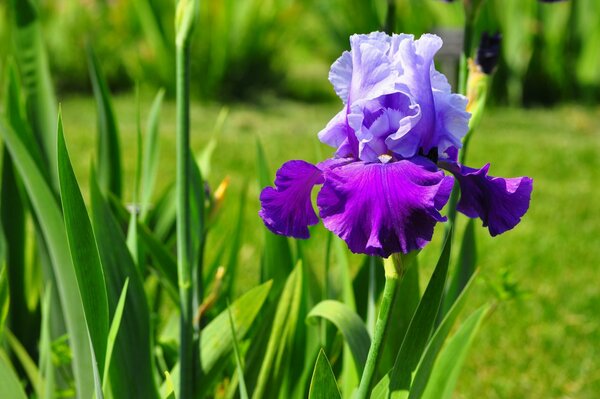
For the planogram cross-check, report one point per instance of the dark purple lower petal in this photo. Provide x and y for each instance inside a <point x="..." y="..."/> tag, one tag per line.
<point x="499" y="203"/>
<point x="380" y="209"/>
<point x="287" y="208"/>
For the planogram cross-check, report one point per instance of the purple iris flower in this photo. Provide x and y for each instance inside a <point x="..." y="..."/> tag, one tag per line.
<point x="400" y="126"/>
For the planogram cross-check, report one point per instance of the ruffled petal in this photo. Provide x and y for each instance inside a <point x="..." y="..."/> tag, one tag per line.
<point x="287" y="208"/>
<point x="380" y="209"/>
<point x="372" y="74"/>
<point x="500" y="203"/>
<point x="340" y="76"/>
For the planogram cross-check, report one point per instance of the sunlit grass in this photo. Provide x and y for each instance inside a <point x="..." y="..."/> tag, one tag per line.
<point x="541" y="344"/>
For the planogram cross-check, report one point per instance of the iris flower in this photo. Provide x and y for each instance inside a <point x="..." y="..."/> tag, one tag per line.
<point x="399" y="129"/>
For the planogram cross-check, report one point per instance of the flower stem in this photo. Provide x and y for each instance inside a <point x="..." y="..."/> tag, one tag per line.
<point x="394" y="271"/>
<point x="184" y="266"/>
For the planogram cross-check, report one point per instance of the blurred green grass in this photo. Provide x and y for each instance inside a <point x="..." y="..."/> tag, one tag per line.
<point x="542" y="343"/>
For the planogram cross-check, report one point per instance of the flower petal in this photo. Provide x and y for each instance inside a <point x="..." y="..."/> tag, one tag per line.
<point x="500" y="203"/>
<point x="380" y="209"/>
<point x="287" y="208"/>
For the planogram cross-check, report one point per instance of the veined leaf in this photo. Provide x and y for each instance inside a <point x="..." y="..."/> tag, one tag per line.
<point x="52" y="227"/>
<point x="132" y="369"/>
<point x="350" y="325"/>
<point x="323" y="384"/>
<point x="451" y="359"/>
<point x="108" y="155"/>
<point x="84" y="252"/>
<point x="11" y="386"/>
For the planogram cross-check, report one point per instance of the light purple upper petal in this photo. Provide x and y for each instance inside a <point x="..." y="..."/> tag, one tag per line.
<point x="500" y="203"/>
<point x="287" y="208"/>
<point x="423" y="114"/>
<point x="379" y="209"/>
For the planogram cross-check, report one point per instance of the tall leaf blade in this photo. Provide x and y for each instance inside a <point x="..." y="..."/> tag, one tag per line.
<point x="11" y="386"/>
<point x="132" y="368"/>
<point x="423" y="370"/>
<point x="33" y="64"/>
<point x="350" y="325"/>
<point x="108" y="155"/>
<point x="323" y="384"/>
<point x="13" y="215"/>
<point x="283" y="327"/>
<point x="150" y="155"/>
<point x="217" y="340"/>
<point x="450" y="361"/>
<point x="421" y="325"/>
<point x="52" y="227"/>
<point x="467" y="261"/>
<point x="84" y="252"/>
<point x="45" y="362"/>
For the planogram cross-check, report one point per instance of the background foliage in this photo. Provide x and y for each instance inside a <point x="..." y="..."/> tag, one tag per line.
<point x="249" y="46"/>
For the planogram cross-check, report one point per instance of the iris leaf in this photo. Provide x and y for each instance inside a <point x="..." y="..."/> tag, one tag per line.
<point x="279" y="347"/>
<point x="108" y="156"/>
<point x="323" y="384"/>
<point x="53" y="230"/>
<point x="350" y="325"/>
<point x="132" y="369"/>
<point x="150" y="154"/>
<point x="421" y="325"/>
<point x="84" y="253"/>
<point x="451" y="359"/>
<point x="11" y="386"/>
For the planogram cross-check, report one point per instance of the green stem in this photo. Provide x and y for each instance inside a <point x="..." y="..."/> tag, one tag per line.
<point x="394" y="271"/>
<point x="184" y="266"/>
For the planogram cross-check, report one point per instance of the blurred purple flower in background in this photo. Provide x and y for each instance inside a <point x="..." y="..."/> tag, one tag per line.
<point x="400" y="126"/>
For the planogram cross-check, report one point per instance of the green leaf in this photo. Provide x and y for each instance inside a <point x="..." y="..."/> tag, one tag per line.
<point x="84" y="252"/>
<point x="53" y="230"/>
<point x="216" y="338"/>
<point x="151" y="153"/>
<point x="11" y="386"/>
<point x="46" y="366"/>
<point x="277" y="261"/>
<point x="33" y="65"/>
<point x="132" y="367"/>
<point x="112" y="333"/>
<point x="238" y="357"/>
<point x="13" y="216"/>
<point x="282" y="332"/>
<point x="350" y="325"/>
<point x="465" y="268"/>
<point x="26" y="362"/>
<point x="205" y="156"/>
<point x="421" y="325"/>
<point x="4" y="293"/>
<point x="323" y="384"/>
<point x="451" y="359"/>
<point x="434" y="345"/>
<point x="108" y="155"/>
